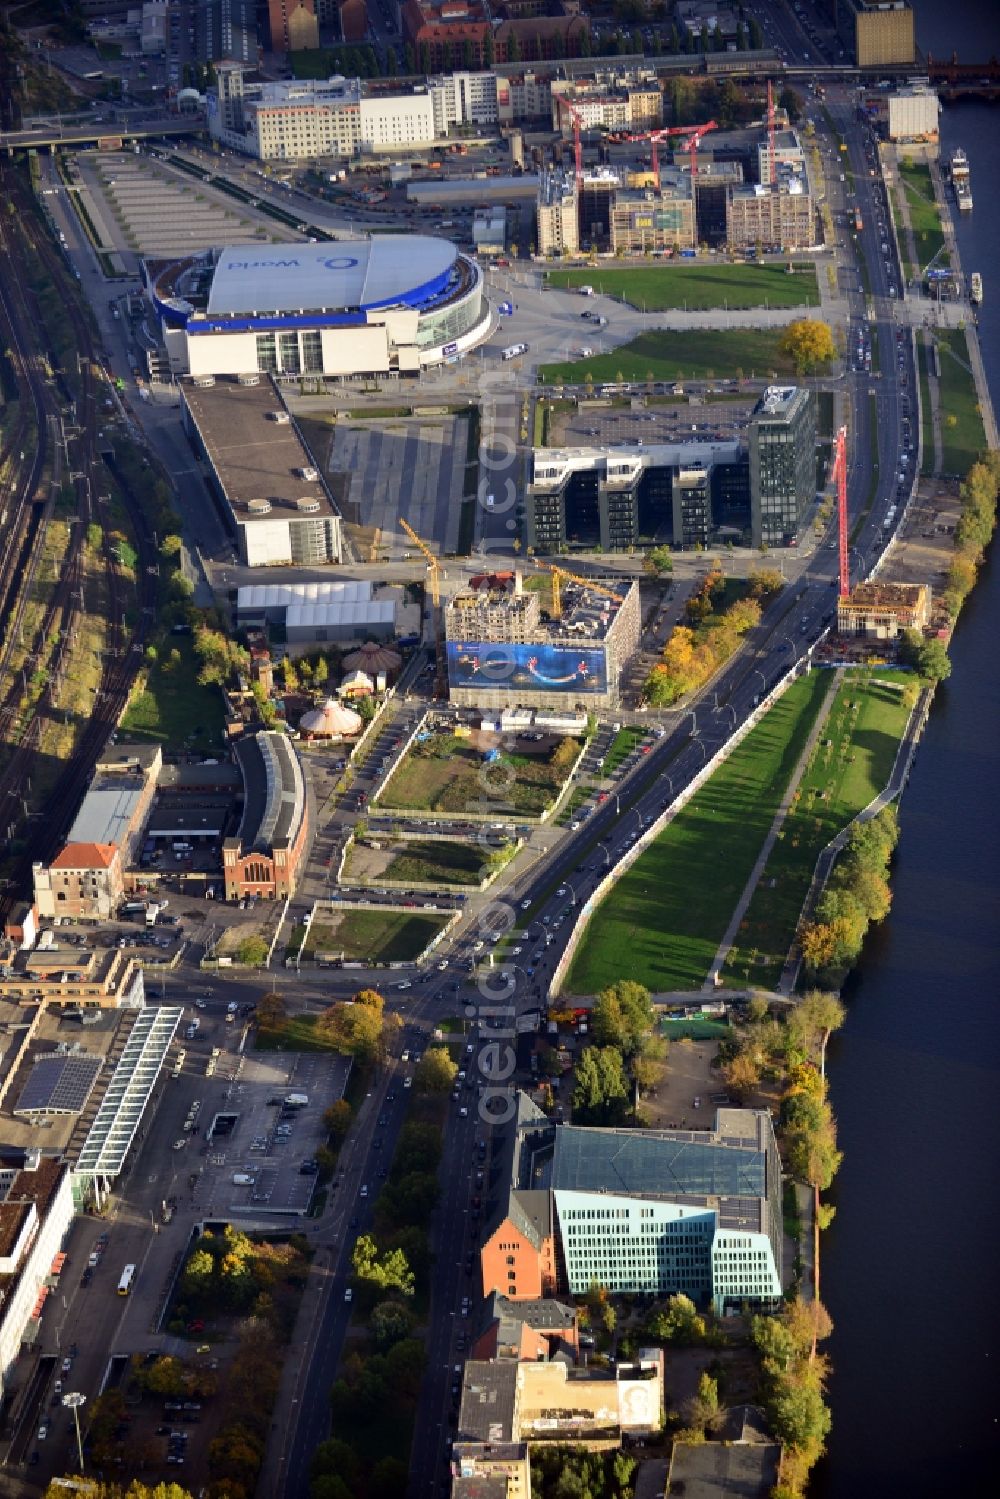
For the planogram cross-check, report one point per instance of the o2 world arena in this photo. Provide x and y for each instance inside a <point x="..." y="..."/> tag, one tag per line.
<point x="394" y="304"/>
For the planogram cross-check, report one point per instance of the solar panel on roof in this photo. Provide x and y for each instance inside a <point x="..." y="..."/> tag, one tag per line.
<point x="59" y="1084"/>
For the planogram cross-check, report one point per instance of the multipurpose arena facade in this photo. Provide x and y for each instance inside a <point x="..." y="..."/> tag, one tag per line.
<point x="394" y="304"/>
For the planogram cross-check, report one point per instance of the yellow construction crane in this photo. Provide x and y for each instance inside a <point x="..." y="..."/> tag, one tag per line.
<point x="560" y="572"/>
<point x="373" y="551"/>
<point x="432" y="562"/>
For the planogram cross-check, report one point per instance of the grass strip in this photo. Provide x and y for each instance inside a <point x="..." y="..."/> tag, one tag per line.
<point x="663" y="921"/>
<point x="697" y="286"/>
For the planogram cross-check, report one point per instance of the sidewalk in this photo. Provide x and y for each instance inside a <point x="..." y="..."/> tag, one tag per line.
<point x="725" y="946"/>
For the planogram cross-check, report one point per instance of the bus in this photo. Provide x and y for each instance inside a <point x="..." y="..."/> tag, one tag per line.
<point x="125" y="1284"/>
<point x="858" y="221"/>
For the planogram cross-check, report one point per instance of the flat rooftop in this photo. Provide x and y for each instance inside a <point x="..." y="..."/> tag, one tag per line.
<point x="105" y="813"/>
<point x="256" y="459"/>
<point x="587" y="614"/>
<point x="879" y="595"/>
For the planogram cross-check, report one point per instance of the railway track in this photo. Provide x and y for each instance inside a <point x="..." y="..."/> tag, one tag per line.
<point x="22" y="536"/>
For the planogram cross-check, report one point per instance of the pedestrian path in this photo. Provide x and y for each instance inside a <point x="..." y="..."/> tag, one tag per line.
<point x="726" y="945"/>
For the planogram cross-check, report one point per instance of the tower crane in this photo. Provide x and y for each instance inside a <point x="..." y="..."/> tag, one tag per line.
<point x="695" y="132"/>
<point x="560" y="572"/>
<point x="838" y="476"/>
<point x="433" y="567"/>
<point x="577" y="119"/>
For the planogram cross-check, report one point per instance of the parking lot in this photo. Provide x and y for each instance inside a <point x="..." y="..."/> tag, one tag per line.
<point x="404" y="466"/>
<point x="244" y="1153"/>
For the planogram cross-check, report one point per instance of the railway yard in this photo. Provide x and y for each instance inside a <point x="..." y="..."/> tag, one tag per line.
<point x="78" y="578"/>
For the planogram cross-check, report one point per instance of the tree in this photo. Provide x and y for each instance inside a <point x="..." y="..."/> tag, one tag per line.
<point x="742" y="1075"/>
<point x="622" y="1015"/>
<point x="677" y="1322"/>
<point x="764" y="582"/>
<point x="252" y="951"/>
<point x="390" y="1322"/>
<point x="808" y="343"/>
<point x="659" y="560"/>
<point x="600" y="1084"/>
<point x="756" y="35"/>
<point x="391" y="62"/>
<point x="409" y="59"/>
<point x="435" y="1072"/>
<point x="928" y="657"/>
<point x="391" y="1272"/>
<point x="337" y="1119"/>
<point x="335" y="1456"/>
<point x="354" y="1030"/>
<point x="812" y="1022"/>
<point x="272" y="1012"/>
<point x="371" y="999"/>
<point x="792" y="104"/>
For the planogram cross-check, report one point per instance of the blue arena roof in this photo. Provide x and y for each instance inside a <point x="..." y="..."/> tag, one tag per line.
<point x="356" y="275"/>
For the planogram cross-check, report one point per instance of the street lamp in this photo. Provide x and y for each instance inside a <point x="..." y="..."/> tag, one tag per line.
<point x="73" y="1401"/>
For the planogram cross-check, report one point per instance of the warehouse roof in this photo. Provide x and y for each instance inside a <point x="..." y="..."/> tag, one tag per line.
<point x="274" y="792"/>
<point x="362" y="614"/>
<point x="105" y="814"/>
<point x="278" y="595"/>
<point x="354" y="274"/>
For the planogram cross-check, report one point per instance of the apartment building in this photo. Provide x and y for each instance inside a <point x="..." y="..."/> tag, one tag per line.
<point x="618" y="106"/>
<point x="770" y="214"/>
<point x="292" y="25"/>
<point x="884" y="33"/>
<point x="557" y="220"/>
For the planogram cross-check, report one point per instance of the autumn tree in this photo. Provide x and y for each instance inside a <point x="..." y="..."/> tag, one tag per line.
<point x="337" y="1119"/>
<point x="809" y="344"/>
<point x="271" y="1011"/>
<point x="353" y="1029"/>
<point x="622" y="1016"/>
<point x="435" y="1072"/>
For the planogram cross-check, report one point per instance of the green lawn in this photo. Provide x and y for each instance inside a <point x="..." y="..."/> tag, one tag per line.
<point x="851" y="765"/>
<point x="675" y="356"/>
<point x="172" y="707"/>
<point x="961" y="421"/>
<point x="437" y="861"/>
<point x="924" y="217"/>
<point x="698" y="285"/>
<point x="447" y="774"/>
<point x="620" y="748"/>
<point x="662" y="923"/>
<point x="372" y="936"/>
<point x="926" y="424"/>
<point x="297" y="1033"/>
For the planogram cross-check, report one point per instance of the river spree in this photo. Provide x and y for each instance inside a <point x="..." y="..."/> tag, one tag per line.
<point x="911" y="1266"/>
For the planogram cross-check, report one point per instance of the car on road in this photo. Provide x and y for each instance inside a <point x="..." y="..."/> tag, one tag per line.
<point x="43" y="1431"/>
<point x="349" y="1294"/>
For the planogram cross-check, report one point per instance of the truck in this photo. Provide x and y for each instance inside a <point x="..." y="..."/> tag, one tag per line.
<point x="296" y="1100"/>
<point x="586" y="291"/>
<point x="513" y="351"/>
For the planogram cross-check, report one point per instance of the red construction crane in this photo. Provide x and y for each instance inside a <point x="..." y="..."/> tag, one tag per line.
<point x="656" y="136"/>
<point x="773" y="165"/>
<point x="577" y="119"/>
<point x="838" y="476"/>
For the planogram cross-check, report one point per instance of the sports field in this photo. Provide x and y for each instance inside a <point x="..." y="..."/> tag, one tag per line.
<point x="662" y="923"/>
<point x="698" y="286"/>
<point x="851" y="764"/>
<point x="702" y="355"/>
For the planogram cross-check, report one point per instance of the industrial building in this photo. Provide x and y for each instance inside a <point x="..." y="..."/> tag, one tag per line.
<point x="883" y="33"/>
<point x="501" y="651"/>
<point x="489" y="231"/>
<point x="650" y="1212"/>
<point x="272" y="500"/>
<point x="301" y="119"/>
<point x="782" y="464"/>
<point x="313" y="612"/>
<point x="263" y="858"/>
<point x="681" y="494"/>
<point x="386" y="306"/>
<point x="912" y="114"/>
<point x="882" y="611"/>
<point x="86" y="879"/>
<point x="654" y="220"/>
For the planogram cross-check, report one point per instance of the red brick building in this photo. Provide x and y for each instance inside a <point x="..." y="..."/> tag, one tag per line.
<point x="453" y="34"/>
<point x="293" y="25"/>
<point x="264" y="857"/>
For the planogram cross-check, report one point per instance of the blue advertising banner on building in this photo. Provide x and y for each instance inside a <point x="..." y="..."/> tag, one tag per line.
<point x="534" y="667"/>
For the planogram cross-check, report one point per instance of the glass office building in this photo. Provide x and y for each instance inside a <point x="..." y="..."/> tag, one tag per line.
<point x="782" y="464"/>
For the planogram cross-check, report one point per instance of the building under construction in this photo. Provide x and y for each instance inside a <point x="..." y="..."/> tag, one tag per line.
<point x="881" y="611"/>
<point x="504" y="649"/>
